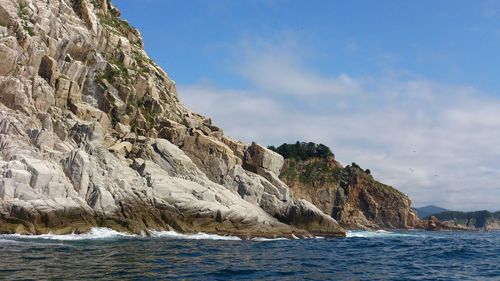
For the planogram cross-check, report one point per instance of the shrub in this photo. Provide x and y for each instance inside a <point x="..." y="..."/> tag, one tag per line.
<point x="303" y="150"/>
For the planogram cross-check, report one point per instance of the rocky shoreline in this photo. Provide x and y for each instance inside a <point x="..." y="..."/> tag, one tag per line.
<point x="92" y="134"/>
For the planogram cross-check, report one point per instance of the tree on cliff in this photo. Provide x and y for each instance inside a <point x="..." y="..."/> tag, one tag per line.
<point x="303" y="150"/>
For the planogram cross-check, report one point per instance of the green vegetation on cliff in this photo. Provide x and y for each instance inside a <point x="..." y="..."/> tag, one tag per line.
<point x="349" y="194"/>
<point x="303" y="150"/>
<point x="316" y="173"/>
<point x="309" y="162"/>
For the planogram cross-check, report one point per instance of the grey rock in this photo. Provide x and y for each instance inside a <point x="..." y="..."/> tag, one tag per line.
<point x="92" y="133"/>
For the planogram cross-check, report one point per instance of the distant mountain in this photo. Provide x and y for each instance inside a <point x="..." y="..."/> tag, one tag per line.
<point x="429" y="210"/>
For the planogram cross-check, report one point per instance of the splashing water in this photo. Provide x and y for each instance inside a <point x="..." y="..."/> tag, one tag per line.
<point x="375" y="233"/>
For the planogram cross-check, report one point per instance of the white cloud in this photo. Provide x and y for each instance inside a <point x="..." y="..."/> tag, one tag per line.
<point x="438" y="143"/>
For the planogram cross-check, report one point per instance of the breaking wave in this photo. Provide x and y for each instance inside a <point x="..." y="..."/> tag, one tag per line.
<point x="376" y="233"/>
<point x="95" y="233"/>
<point x="196" y="236"/>
<point x="8" y="241"/>
<point x="261" y="239"/>
<point x="107" y="233"/>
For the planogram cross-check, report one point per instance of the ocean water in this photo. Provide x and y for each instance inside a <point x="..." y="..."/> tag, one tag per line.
<point x="380" y="255"/>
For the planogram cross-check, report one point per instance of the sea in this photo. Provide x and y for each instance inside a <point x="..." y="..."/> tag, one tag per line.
<point x="104" y="254"/>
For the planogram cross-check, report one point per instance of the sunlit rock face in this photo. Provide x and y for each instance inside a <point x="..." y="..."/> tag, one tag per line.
<point x="350" y="195"/>
<point x="92" y="133"/>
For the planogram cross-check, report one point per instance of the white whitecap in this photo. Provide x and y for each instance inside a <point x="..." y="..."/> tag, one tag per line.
<point x="95" y="233"/>
<point x="7" y="241"/>
<point x="372" y="234"/>
<point x="261" y="239"/>
<point x="195" y="236"/>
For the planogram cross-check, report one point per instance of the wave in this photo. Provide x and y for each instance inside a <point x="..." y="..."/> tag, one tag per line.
<point x="8" y="241"/>
<point x="107" y="233"/>
<point x="374" y="234"/>
<point x="261" y="239"/>
<point x="95" y="233"/>
<point x="196" y="236"/>
<point x="206" y="236"/>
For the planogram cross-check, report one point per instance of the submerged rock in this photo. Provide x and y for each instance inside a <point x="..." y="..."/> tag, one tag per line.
<point x="92" y="133"/>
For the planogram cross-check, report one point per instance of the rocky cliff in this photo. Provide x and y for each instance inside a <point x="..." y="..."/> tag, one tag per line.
<point x="350" y="195"/>
<point x="478" y="220"/>
<point x="92" y="133"/>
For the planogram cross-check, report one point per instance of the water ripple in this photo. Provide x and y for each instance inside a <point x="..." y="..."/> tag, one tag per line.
<point x="362" y="256"/>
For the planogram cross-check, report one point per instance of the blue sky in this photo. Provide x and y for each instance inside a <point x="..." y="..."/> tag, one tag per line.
<point x="409" y="89"/>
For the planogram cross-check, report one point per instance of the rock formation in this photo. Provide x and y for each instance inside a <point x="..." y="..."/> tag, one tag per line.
<point x="478" y="220"/>
<point x="92" y="133"/>
<point x="350" y="195"/>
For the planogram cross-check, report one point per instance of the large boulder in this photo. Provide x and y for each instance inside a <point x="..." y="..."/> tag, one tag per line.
<point x="8" y="57"/>
<point x="258" y="157"/>
<point x="48" y="69"/>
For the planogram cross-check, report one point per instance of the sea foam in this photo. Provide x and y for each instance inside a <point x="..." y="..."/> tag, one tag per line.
<point x="107" y="233"/>
<point x="261" y="239"/>
<point x="195" y="236"/>
<point x="374" y="234"/>
<point x="95" y="233"/>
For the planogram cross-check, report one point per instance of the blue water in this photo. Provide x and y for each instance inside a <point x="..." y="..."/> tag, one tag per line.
<point x="108" y="255"/>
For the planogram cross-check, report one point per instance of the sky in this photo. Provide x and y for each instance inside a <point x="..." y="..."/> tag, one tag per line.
<point x="408" y="89"/>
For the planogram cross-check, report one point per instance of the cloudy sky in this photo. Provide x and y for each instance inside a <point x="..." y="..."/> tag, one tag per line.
<point x="408" y="89"/>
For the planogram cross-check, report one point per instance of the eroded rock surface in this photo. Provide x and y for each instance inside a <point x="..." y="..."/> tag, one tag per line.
<point x="350" y="195"/>
<point x="92" y="133"/>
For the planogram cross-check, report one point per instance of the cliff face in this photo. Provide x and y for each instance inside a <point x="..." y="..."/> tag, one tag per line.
<point x="92" y="133"/>
<point x="350" y="195"/>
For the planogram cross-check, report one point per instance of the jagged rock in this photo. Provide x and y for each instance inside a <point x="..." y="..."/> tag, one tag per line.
<point x="122" y="148"/>
<point x="90" y="113"/>
<point x="349" y="195"/>
<point x="48" y="69"/>
<point x="83" y="9"/>
<point x="74" y="70"/>
<point x="122" y="129"/>
<point x="258" y="157"/>
<point x="8" y="57"/>
<point x="114" y="105"/>
<point x="76" y="166"/>
<point x="236" y="146"/>
<point x="67" y="91"/>
<point x="43" y="94"/>
<point x="212" y="156"/>
<point x="15" y="93"/>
